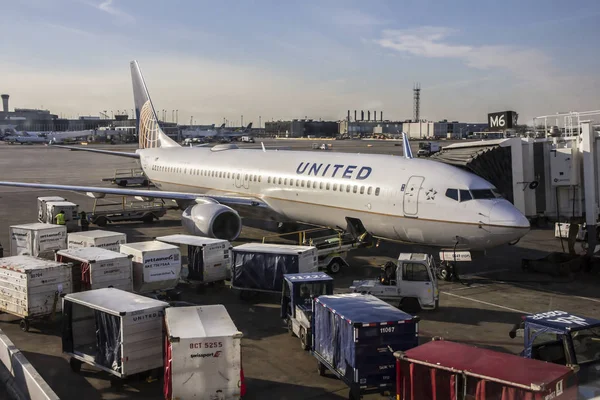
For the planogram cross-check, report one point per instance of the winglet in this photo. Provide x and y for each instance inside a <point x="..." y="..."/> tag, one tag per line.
<point x="407" y="151"/>
<point x="263" y="147"/>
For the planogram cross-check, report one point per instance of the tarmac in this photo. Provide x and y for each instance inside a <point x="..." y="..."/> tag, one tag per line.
<point x="481" y="309"/>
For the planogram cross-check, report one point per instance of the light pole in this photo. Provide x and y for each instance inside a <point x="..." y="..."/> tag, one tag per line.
<point x="259" y="126"/>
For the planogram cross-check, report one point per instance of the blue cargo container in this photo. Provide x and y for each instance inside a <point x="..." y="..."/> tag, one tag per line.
<point x="354" y="337"/>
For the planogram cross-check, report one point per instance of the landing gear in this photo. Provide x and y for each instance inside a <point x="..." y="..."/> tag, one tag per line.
<point x="447" y="271"/>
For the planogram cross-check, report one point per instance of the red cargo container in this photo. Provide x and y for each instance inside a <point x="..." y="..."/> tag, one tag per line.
<point x="443" y="370"/>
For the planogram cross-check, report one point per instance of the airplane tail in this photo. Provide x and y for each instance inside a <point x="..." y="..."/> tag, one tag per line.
<point x="222" y="126"/>
<point x="149" y="131"/>
<point x="406" y="145"/>
<point x="248" y="127"/>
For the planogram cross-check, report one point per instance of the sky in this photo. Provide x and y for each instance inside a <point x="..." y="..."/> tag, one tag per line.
<point x="214" y="61"/>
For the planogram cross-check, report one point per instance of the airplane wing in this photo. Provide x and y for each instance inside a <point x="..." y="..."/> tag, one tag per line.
<point x="92" y="150"/>
<point x="232" y="200"/>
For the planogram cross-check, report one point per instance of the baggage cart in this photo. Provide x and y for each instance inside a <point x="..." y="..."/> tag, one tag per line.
<point x="116" y="331"/>
<point x="258" y="267"/>
<point x="96" y="238"/>
<point x="97" y="268"/>
<point x="156" y="265"/>
<point x="30" y="287"/>
<point x="208" y="260"/>
<point x="37" y="239"/>
<point x="203" y="354"/>
<point x="447" y="370"/>
<point x="354" y="337"/>
<point x="71" y="214"/>
<point x="43" y="209"/>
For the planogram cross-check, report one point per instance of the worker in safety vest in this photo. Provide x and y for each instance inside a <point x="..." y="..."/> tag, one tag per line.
<point x="60" y="218"/>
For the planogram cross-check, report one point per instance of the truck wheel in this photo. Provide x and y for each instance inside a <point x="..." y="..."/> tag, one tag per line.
<point x="101" y="221"/>
<point x="24" y="325"/>
<point x="321" y="368"/>
<point x="148" y="218"/>
<point x="290" y="327"/>
<point x="122" y="183"/>
<point x="334" y="267"/>
<point x="353" y="395"/>
<point x="303" y="339"/>
<point x="75" y="365"/>
<point x="145" y="182"/>
<point x="410" y="305"/>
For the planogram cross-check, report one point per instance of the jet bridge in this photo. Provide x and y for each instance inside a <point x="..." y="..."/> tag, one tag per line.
<point x="504" y="163"/>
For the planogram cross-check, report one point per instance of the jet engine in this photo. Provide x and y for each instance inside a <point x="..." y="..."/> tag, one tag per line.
<point x="212" y="220"/>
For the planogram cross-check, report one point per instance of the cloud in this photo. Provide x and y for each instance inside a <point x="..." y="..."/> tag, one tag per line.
<point x="432" y="42"/>
<point x="108" y="7"/>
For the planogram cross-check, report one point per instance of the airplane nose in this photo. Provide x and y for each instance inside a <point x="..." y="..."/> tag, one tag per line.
<point x="505" y="214"/>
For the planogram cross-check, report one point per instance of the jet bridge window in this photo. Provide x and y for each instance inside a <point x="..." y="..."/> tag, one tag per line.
<point x="452" y="193"/>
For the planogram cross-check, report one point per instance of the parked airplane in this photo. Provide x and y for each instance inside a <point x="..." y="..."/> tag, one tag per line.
<point x="398" y="198"/>
<point x="25" y="138"/>
<point x="202" y="133"/>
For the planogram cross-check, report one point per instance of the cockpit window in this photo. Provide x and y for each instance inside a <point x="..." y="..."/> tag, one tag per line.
<point x="465" y="195"/>
<point x="452" y="193"/>
<point x="483" y="194"/>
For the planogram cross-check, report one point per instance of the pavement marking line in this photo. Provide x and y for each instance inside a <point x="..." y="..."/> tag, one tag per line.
<point x="485" y="302"/>
<point x="484" y="272"/>
<point x="548" y="291"/>
<point x="467" y="287"/>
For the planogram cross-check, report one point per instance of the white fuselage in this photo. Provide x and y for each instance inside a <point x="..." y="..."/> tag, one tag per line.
<point x="395" y="198"/>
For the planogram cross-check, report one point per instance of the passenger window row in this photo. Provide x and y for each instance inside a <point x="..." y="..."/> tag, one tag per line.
<point x="274" y="180"/>
<point x="323" y="185"/>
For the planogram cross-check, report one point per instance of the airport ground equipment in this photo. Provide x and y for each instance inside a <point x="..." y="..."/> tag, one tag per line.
<point x="332" y="245"/>
<point x="410" y="283"/>
<point x="156" y="265"/>
<point x="139" y="210"/>
<point x="297" y="296"/>
<point x="443" y="369"/>
<point x="96" y="238"/>
<point x="37" y="239"/>
<point x="116" y="331"/>
<point x="30" y="287"/>
<point x="427" y="148"/>
<point x="560" y="337"/>
<point x="259" y="267"/>
<point x="71" y="213"/>
<point x="354" y="337"/>
<point x="203" y="354"/>
<point x="208" y="260"/>
<point x="128" y="176"/>
<point x="43" y="209"/>
<point x="97" y="268"/>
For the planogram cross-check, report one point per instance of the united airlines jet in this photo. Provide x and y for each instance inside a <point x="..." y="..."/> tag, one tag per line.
<point x="390" y="197"/>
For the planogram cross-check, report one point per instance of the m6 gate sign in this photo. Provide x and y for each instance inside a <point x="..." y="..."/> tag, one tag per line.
<point x="499" y="121"/>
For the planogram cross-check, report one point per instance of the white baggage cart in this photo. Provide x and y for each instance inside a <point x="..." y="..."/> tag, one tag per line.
<point x="37" y="239"/>
<point x="203" y="354"/>
<point x="71" y="211"/>
<point x="30" y="287"/>
<point x="97" y="268"/>
<point x="156" y="265"/>
<point x="97" y="238"/>
<point x="42" y="208"/>
<point x="208" y="260"/>
<point x="116" y="331"/>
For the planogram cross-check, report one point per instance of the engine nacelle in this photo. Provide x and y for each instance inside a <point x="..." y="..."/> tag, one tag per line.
<point x="212" y="220"/>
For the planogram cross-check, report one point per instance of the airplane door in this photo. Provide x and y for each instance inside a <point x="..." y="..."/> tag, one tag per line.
<point x="411" y="195"/>
<point x="246" y="181"/>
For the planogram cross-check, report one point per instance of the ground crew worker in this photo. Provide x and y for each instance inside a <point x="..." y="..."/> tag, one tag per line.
<point x="60" y="218"/>
<point x="84" y="221"/>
